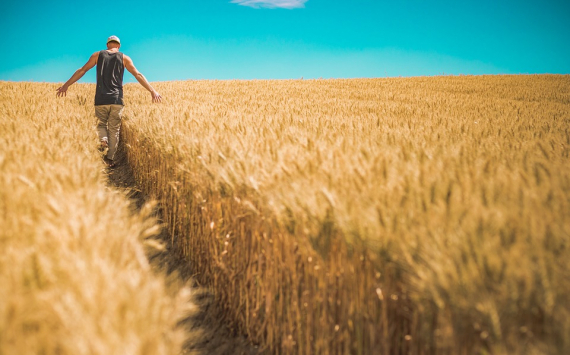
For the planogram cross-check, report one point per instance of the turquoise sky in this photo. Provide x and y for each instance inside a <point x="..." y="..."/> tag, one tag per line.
<point x="280" y="39"/>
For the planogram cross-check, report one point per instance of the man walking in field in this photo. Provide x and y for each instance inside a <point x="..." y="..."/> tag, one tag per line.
<point x="109" y="104"/>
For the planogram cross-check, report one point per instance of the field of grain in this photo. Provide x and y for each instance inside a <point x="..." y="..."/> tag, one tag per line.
<point x="74" y="277"/>
<point x="402" y="215"/>
<point x="367" y="216"/>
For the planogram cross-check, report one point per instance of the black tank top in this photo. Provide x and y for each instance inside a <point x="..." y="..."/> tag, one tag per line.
<point x="110" y="70"/>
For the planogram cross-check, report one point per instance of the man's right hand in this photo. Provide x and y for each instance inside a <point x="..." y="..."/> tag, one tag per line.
<point x="156" y="97"/>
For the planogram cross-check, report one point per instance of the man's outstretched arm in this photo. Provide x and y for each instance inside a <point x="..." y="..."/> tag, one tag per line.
<point x="140" y="78"/>
<point x="62" y="90"/>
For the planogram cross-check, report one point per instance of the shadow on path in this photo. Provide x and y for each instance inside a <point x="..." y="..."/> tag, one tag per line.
<point x="214" y="336"/>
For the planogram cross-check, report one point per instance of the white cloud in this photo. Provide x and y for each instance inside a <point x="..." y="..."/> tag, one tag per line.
<point x="271" y="4"/>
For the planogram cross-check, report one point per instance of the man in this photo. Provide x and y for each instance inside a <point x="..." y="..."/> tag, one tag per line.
<point x="109" y="104"/>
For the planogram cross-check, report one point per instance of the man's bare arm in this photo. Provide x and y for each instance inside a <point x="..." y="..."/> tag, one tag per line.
<point x="62" y="90"/>
<point x="140" y="78"/>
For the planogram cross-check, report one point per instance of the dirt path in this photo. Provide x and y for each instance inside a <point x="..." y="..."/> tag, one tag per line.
<point x="213" y="337"/>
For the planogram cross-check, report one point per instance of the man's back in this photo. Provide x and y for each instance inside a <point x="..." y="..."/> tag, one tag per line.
<point x="110" y="70"/>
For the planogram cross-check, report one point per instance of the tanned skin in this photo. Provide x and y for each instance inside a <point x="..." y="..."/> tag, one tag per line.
<point x="112" y="47"/>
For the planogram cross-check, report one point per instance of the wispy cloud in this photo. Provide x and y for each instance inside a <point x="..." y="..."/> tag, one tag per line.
<point x="272" y="4"/>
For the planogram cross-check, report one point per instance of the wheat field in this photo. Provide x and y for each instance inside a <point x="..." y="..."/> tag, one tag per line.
<point x="74" y="277"/>
<point x="366" y="216"/>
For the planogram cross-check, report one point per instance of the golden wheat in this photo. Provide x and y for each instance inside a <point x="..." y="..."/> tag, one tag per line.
<point x="74" y="278"/>
<point x="370" y="216"/>
<point x="402" y="215"/>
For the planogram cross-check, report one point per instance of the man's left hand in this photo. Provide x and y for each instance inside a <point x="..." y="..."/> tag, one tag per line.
<point x="61" y="91"/>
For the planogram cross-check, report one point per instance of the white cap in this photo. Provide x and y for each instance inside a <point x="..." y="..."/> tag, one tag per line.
<point x="114" y="39"/>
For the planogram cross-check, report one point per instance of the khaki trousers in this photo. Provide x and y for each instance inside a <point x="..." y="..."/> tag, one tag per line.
<point x="109" y="126"/>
